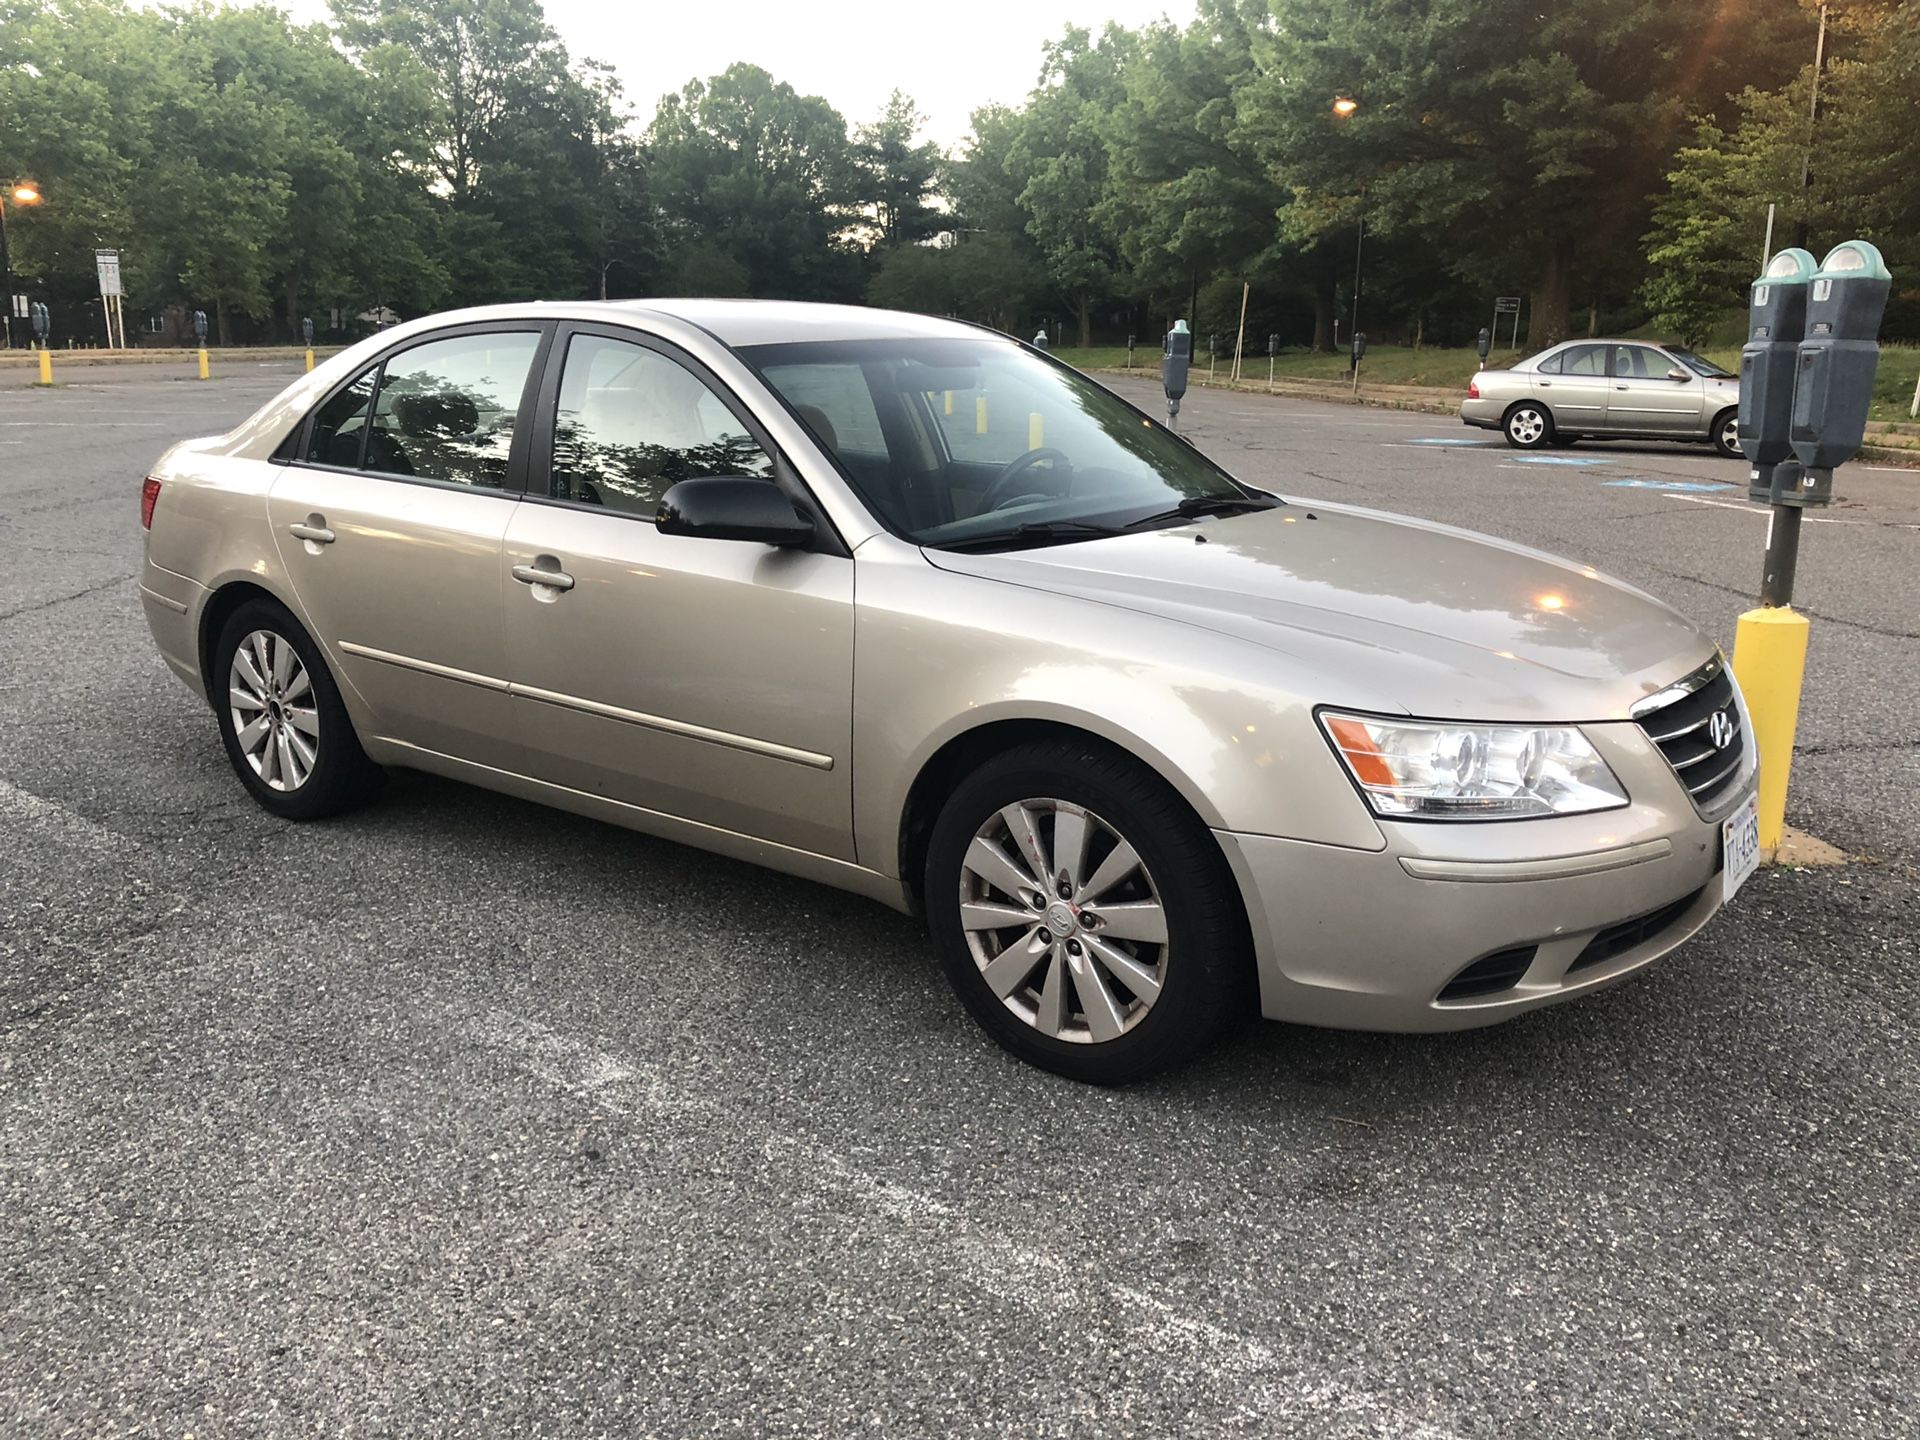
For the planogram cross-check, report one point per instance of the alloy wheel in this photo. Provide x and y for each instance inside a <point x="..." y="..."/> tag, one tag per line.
<point x="1064" y="920"/>
<point x="1527" y="427"/>
<point x="270" y="697"/>
<point x="1730" y="436"/>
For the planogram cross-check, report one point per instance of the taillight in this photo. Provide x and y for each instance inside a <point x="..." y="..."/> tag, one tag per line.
<point x="1473" y="390"/>
<point x="149" y="493"/>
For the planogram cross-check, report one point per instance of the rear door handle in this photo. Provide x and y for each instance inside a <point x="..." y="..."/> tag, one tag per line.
<point x="318" y="534"/>
<point x="534" y="575"/>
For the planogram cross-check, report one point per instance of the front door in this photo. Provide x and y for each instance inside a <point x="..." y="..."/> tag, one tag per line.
<point x="711" y="680"/>
<point x="1646" y="399"/>
<point x="389" y="524"/>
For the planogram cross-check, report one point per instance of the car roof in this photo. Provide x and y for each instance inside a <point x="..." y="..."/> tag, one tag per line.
<point x="776" y="322"/>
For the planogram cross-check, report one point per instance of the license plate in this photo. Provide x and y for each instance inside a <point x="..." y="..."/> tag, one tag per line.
<point x="1740" y="845"/>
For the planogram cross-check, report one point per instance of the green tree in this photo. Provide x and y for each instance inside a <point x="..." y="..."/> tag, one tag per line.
<point x="748" y="167"/>
<point x="1529" y="140"/>
<point x="1059" y="154"/>
<point x="897" y="178"/>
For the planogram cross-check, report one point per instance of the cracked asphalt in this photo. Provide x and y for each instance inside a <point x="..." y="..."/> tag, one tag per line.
<point x="457" y="1116"/>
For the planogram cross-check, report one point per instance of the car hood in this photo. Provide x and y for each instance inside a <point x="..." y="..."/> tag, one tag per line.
<point x="1386" y="612"/>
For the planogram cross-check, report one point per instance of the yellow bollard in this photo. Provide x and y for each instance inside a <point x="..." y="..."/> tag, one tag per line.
<point x="1036" y="431"/>
<point x="1770" y="661"/>
<point x="949" y="402"/>
<point x="46" y="366"/>
<point x="204" y="374"/>
<point x="309" y="362"/>
<point x="980" y="415"/>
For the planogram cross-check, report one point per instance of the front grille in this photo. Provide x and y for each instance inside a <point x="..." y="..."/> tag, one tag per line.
<point x="1490" y="974"/>
<point x="1617" y="940"/>
<point x="1700" y="733"/>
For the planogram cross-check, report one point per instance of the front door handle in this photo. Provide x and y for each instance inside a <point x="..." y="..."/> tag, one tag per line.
<point x="534" y="575"/>
<point x="306" y="530"/>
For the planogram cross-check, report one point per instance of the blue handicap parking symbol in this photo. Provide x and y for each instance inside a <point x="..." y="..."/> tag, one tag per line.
<point x="1556" y="460"/>
<point x="1669" y="484"/>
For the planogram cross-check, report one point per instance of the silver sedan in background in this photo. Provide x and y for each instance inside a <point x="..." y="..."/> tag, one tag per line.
<point x="903" y="606"/>
<point x="1607" y="390"/>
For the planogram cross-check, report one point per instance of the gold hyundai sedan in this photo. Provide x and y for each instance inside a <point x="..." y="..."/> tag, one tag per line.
<point x="906" y="607"/>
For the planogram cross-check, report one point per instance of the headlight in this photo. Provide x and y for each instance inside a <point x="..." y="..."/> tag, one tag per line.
<point x="1431" y="770"/>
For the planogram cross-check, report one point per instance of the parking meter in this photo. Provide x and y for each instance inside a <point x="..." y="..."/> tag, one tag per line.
<point x="200" y="326"/>
<point x="1776" y="320"/>
<point x="1833" y="384"/>
<point x="1483" y="345"/>
<point x="306" y="330"/>
<point x="1130" y="339"/>
<point x="1359" y="347"/>
<point x="1176" y="356"/>
<point x="1040" y="339"/>
<point x="42" y="323"/>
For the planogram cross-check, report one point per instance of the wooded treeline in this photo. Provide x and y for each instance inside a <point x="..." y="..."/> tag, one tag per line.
<point x="1612" y="162"/>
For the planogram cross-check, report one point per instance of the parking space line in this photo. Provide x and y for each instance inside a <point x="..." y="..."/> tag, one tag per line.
<point x="1016" y="1274"/>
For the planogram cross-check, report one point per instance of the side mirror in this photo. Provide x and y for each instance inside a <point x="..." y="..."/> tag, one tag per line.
<point x="732" y="507"/>
<point x="1678" y="374"/>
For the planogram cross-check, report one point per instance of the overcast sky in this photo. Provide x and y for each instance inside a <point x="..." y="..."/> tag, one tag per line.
<point x="950" y="57"/>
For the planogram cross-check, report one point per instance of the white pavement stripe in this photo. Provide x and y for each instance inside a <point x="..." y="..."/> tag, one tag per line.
<point x="1017" y="1274"/>
<point x="1752" y="509"/>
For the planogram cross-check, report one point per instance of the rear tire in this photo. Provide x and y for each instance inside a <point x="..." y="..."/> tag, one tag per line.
<point x="287" y="734"/>
<point x="1125" y="957"/>
<point x="1528" y="426"/>
<point x="1726" y="434"/>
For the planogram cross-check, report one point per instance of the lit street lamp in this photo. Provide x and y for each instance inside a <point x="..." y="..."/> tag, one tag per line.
<point x="21" y="192"/>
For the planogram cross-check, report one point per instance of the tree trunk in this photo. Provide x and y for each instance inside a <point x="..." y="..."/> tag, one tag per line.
<point x="1593" y="320"/>
<point x="1085" y="308"/>
<point x="293" y="311"/>
<point x="1553" y="298"/>
<point x="1419" y="330"/>
<point x="220" y="331"/>
<point x="1323" y="318"/>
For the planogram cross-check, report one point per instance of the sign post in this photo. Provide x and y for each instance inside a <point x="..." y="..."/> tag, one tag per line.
<point x="112" y="295"/>
<point x="1507" y="305"/>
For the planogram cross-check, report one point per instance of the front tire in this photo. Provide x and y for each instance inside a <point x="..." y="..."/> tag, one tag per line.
<point x="286" y="732"/>
<point x="1726" y="434"/>
<point x="1528" y="426"/>
<point x="1084" y="914"/>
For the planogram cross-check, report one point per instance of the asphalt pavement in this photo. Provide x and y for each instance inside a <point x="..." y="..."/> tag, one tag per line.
<point x="459" y="1116"/>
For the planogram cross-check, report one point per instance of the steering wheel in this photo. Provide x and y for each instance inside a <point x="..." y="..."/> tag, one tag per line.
<point x="1000" y="491"/>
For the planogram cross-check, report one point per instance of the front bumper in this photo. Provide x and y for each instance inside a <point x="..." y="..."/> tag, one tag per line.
<point x="1369" y="940"/>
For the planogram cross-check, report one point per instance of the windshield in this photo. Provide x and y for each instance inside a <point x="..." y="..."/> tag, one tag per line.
<point x="967" y="441"/>
<point x="1700" y="365"/>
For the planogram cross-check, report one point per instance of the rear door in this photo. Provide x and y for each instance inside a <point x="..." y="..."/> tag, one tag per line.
<point x="710" y="680"/>
<point x="1576" y="389"/>
<point x="1645" y="399"/>
<point x="389" y="524"/>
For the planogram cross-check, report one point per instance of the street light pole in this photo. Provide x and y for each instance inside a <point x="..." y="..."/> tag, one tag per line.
<point x="6" y="269"/>
<point x="1813" y="124"/>
<point x="21" y="192"/>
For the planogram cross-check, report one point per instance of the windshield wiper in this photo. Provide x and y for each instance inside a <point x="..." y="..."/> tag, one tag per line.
<point x="1195" y="505"/>
<point x="1035" y="530"/>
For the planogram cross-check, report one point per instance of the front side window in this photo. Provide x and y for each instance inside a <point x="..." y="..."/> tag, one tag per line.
<point x="1637" y="362"/>
<point x="631" y="422"/>
<point x="973" y="440"/>
<point x="1700" y="365"/>
<point x="446" y="410"/>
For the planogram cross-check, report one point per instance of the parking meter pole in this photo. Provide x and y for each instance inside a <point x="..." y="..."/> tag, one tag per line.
<point x="1806" y="382"/>
<point x="1176" y="357"/>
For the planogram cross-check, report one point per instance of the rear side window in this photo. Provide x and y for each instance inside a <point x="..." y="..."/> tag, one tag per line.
<point x="1585" y="360"/>
<point x="446" y="410"/>
<point x="340" y="424"/>
<point x="1551" y="365"/>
